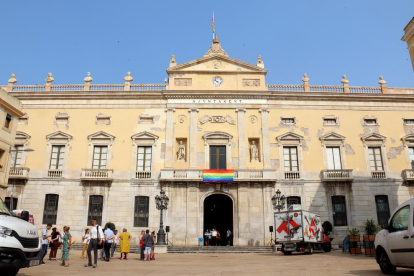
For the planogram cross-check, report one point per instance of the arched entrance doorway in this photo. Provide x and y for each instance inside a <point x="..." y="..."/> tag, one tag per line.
<point x="218" y="214"/>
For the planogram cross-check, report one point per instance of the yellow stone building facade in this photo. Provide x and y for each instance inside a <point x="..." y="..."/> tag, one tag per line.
<point x="106" y="151"/>
<point x="409" y="38"/>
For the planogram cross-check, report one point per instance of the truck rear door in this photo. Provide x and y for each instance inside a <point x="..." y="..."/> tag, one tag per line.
<point x="288" y="226"/>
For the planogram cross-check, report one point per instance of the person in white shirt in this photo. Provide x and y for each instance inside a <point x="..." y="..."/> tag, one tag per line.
<point x="214" y="237"/>
<point x="116" y="238"/>
<point x="96" y="236"/>
<point x="45" y="241"/>
<point x="86" y="240"/>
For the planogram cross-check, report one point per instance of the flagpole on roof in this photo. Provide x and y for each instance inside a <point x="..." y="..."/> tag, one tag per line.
<point x="213" y="25"/>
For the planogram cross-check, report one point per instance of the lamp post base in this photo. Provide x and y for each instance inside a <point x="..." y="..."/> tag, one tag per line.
<point x="161" y="238"/>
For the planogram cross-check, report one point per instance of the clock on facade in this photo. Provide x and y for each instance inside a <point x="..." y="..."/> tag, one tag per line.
<point x="217" y="81"/>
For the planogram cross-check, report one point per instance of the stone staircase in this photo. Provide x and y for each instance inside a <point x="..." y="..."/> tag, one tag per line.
<point x="219" y="249"/>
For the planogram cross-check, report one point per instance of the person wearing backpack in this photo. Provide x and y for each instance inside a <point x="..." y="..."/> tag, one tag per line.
<point x="96" y="242"/>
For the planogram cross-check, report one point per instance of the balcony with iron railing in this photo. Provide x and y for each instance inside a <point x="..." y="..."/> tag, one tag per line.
<point x="19" y="173"/>
<point x="97" y="175"/>
<point x="337" y="175"/>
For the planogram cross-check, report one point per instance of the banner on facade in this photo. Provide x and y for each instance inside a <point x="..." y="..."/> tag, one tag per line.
<point x="218" y="176"/>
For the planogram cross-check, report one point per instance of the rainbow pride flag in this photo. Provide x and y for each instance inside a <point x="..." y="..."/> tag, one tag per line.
<point x="225" y="176"/>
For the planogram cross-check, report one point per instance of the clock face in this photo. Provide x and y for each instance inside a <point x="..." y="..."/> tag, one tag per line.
<point x="217" y="81"/>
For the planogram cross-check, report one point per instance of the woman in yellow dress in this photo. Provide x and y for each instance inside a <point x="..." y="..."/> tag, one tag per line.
<point x="125" y="237"/>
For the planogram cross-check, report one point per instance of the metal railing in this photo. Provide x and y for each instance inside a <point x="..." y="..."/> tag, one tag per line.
<point x="337" y="174"/>
<point x="292" y="175"/>
<point x="378" y="175"/>
<point x="142" y="174"/>
<point x="54" y="173"/>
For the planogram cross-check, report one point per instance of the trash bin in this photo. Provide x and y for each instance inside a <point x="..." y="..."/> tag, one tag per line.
<point x="200" y="242"/>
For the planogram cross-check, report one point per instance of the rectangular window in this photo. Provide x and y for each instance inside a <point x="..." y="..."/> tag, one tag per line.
<point x="409" y="121"/>
<point x="56" y="160"/>
<point x="289" y="121"/>
<point x="411" y="151"/>
<point x="141" y="211"/>
<point x="50" y="210"/>
<point x="383" y="208"/>
<point x="334" y="158"/>
<point x="99" y="157"/>
<point x="339" y="211"/>
<point x="375" y="159"/>
<point x="3" y="157"/>
<point x="290" y="157"/>
<point x="144" y="158"/>
<point x="217" y="157"/>
<point x="16" y="160"/>
<point x="7" y="123"/>
<point x="370" y="121"/>
<point x="95" y="209"/>
<point x="7" y="201"/>
<point x="293" y="200"/>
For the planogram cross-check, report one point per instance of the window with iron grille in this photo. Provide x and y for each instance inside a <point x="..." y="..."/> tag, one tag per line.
<point x="50" y="210"/>
<point x="95" y="209"/>
<point x="383" y="208"/>
<point x="339" y="211"/>
<point x="144" y="158"/>
<point x="16" y="160"/>
<point x="7" y="201"/>
<point x="141" y="212"/>
<point x="375" y="159"/>
<point x="293" y="200"/>
<point x="218" y="157"/>
<point x="290" y="157"/>
<point x="56" y="159"/>
<point x="99" y="157"/>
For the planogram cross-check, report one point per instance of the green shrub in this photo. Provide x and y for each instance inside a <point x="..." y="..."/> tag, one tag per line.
<point x="110" y="225"/>
<point x="353" y="232"/>
<point x="327" y="227"/>
<point x="370" y="227"/>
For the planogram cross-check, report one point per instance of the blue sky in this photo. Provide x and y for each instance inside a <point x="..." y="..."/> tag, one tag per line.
<point x="323" y="38"/>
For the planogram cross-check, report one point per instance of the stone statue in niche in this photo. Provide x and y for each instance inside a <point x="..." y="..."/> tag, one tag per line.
<point x="254" y="152"/>
<point x="181" y="152"/>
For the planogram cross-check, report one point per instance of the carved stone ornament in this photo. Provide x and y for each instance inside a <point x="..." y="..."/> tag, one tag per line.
<point x="216" y="48"/>
<point x="183" y="82"/>
<point x="182" y="119"/>
<point x="252" y="119"/>
<point x="254" y="152"/>
<point x="62" y="118"/>
<point x="251" y="83"/>
<point x="102" y="119"/>
<point x="216" y="64"/>
<point x="217" y="119"/>
<point x="181" y="152"/>
<point x="24" y="120"/>
<point x="145" y="119"/>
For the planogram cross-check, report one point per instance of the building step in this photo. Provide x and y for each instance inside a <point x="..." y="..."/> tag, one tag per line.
<point x="219" y="250"/>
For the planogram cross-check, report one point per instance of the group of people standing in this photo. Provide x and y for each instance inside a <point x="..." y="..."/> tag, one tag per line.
<point x="146" y="243"/>
<point x="55" y="240"/>
<point x="212" y="237"/>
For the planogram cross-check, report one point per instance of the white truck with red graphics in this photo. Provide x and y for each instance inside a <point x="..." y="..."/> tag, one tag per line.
<point x="300" y="231"/>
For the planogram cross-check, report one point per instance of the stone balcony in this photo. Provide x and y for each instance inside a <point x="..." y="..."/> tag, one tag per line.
<point x="378" y="175"/>
<point x="197" y="175"/>
<point x="97" y="176"/>
<point x="337" y="175"/>
<point x="408" y="176"/>
<point x="21" y="173"/>
<point x="54" y="173"/>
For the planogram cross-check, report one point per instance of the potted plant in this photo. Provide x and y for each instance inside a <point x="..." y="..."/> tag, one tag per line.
<point x="327" y="227"/>
<point x="370" y="229"/>
<point x="354" y="239"/>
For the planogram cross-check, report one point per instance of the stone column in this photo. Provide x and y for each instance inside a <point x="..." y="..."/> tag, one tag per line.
<point x="169" y="137"/>
<point x="193" y="137"/>
<point x="265" y="138"/>
<point x="242" y="137"/>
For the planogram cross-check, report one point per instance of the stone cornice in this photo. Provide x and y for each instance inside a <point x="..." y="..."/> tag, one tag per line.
<point x="10" y="108"/>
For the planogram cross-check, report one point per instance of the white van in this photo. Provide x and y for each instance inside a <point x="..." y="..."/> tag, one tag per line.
<point x="394" y="245"/>
<point x="20" y="245"/>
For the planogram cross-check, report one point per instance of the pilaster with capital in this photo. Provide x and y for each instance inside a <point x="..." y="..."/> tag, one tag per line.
<point x="265" y="137"/>
<point x="193" y="137"/>
<point x="169" y="137"/>
<point x="241" y="127"/>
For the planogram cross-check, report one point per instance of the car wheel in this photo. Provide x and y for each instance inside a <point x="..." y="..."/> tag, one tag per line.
<point x="385" y="264"/>
<point x="327" y="247"/>
<point x="310" y="249"/>
<point x="11" y="272"/>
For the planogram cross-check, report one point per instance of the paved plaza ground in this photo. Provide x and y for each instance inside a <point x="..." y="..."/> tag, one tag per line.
<point x="333" y="263"/>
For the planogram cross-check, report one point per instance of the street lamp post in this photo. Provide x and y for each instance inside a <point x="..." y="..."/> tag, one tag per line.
<point x="10" y="151"/>
<point x="161" y="202"/>
<point x="278" y="201"/>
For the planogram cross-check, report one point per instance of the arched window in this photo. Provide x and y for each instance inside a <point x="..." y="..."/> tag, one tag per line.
<point x="50" y="210"/>
<point x="141" y="211"/>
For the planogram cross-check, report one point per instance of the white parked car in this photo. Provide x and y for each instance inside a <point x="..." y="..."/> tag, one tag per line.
<point x="394" y="245"/>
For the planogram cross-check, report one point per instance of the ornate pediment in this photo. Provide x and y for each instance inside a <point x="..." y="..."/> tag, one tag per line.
<point x="101" y="135"/>
<point x="289" y="136"/>
<point x="144" y="135"/>
<point x="22" y="135"/>
<point x="373" y="137"/>
<point x="408" y="139"/>
<point x="217" y="135"/>
<point x="58" y="135"/>
<point x="332" y="136"/>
